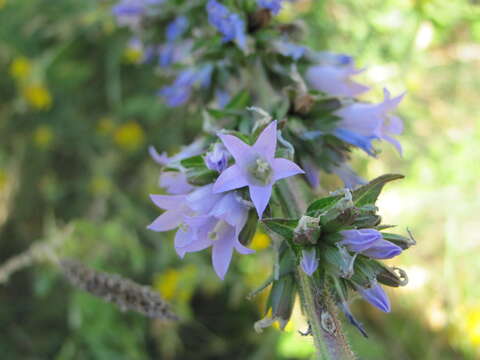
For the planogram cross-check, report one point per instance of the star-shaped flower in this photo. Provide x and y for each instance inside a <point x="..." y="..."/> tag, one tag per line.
<point x="255" y="166"/>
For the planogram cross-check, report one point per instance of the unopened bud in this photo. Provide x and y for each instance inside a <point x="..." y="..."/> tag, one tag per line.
<point x="307" y="231"/>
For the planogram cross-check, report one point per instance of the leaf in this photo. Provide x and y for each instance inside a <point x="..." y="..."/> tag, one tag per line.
<point x="239" y="101"/>
<point x="322" y="204"/>
<point x="368" y="194"/>
<point x="194" y="161"/>
<point x="200" y="176"/>
<point x="282" y="227"/>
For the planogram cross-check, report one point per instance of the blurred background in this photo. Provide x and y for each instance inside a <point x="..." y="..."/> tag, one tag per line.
<point x="77" y="113"/>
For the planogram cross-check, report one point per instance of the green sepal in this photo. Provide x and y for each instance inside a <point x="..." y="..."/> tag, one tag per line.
<point x="338" y="264"/>
<point x="365" y="270"/>
<point x="283" y="227"/>
<point x="389" y="277"/>
<point x="321" y="205"/>
<point x="402" y="241"/>
<point x="282" y="298"/>
<point x="222" y="113"/>
<point x="367" y="217"/>
<point x="239" y="101"/>
<point x="368" y="193"/>
<point x="248" y="231"/>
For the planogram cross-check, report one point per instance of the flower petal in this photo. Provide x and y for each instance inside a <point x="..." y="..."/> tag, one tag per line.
<point x="311" y="172"/>
<point x="283" y="168"/>
<point x="229" y="179"/>
<point x="395" y="143"/>
<point x="382" y="249"/>
<point x="309" y="262"/>
<point x="169" y="220"/>
<point x="375" y="296"/>
<point x="266" y="143"/>
<point x="161" y="159"/>
<point x="236" y="147"/>
<point x="260" y="196"/>
<point x="229" y="209"/>
<point x="242" y="249"/>
<point x="361" y="141"/>
<point x="168" y="202"/>
<point x="222" y="252"/>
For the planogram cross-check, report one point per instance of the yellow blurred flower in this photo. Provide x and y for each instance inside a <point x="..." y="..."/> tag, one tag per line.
<point x="43" y="136"/>
<point x="20" y="67"/>
<point x="100" y="185"/>
<point x="133" y="55"/>
<point x="292" y="10"/>
<point x="108" y="27"/>
<point x="260" y="241"/>
<point x="129" y="136"/>
<point x="3" y="3"/>
<point x="176" y="283"/>
<point x="37" y="96"/>
<point x="167" y="283"/>
<point x="105" y="125"/>
<point x="3" y="179"/>
<point x="473" y="325"/>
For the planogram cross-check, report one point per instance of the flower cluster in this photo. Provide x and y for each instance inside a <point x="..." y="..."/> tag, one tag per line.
<point x="339" y="240"/>
<point x="324" y="113"/>
<point x="214" y="214"/>
<point x="225" y="56"/>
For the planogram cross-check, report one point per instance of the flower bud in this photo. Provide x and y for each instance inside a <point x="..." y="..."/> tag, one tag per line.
<point x="282" y="299"/>
<point x="375" y="295"/>
<point x="217" y="159"/>
<point x="307" y="231"/>
<point x="309" y="261"/>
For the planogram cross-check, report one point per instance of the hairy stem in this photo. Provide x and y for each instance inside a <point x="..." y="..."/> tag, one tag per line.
<point x="318" y="307"/>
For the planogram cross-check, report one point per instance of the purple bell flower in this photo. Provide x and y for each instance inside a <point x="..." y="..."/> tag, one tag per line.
<point x="350" y="179"/>
<point x="217" y="159"/>
<point x="175" y="52"/>
<point x="222" y="97"/>
<point x="376" y="296"/>
<point x="273" y="5"/>
<point x="369" y="242"/>
<point x="204" y="220"/>
<point x="335" y="80"/>
<point x="289" y="49"/>
<point x="175" y="182"/>
<point x="360" y="123"/>
<point x="255" y="166"/>
<point x="176" y="208"/>
<point x="229" y="24"/>
<point x="176" y="28"/>
<point x="309" y="261"/>
<point x="130" y="12"/>
<point x="311" y="172"/>
<point x="179" y="92"/>
<point x="348" y="314"/>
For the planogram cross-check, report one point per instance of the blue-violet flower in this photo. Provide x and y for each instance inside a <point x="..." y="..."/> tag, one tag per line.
<point x="255" y="166"/>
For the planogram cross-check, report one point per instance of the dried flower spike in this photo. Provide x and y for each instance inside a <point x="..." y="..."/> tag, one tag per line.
<point x="124" y="293"/>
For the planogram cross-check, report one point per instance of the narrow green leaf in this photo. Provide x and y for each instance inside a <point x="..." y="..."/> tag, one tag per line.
<point x="194" y="161"/>
<point x="322" y="204"/>
<point x="368" y="194"/>
<point x="282" y="227"/>
<point x="239" y="101"/>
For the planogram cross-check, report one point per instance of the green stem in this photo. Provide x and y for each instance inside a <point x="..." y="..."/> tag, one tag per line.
<point x="317" y="304"/>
